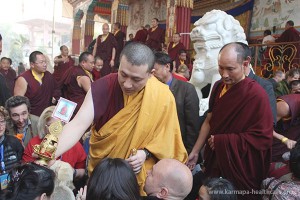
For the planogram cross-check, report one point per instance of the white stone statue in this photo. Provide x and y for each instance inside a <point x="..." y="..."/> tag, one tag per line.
<point x="212" y="32"/>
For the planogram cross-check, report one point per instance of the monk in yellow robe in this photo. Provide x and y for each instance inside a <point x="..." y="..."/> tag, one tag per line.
<point x="128" y="110"/>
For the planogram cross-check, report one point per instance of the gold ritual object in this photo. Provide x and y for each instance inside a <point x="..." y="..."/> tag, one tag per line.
<point x="46" y="150"/>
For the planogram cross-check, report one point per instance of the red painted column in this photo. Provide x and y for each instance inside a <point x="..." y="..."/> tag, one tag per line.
<point x="76" y="37"/>
<point x="183" y="24"/>
<point x="89" y="29"/>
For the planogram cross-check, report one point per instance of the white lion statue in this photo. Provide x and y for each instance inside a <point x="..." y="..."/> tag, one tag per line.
<point x="212" y="32"/>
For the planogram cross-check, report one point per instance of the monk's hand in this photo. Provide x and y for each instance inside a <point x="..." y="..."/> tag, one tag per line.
<point x="112" y="63"/>
<point x="211" y="142"/>
<point x="192" y="160"/>
<point x="81" y="195"/>
<point x="137" y="161"/>
<point x="290" y="144"/>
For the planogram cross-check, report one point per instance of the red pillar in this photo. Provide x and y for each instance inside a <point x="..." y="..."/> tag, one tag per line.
<point x="183" y="24"/>
<point x="76" y="38"/>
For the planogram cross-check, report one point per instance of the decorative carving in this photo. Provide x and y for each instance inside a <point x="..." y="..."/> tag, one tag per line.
<point x="211" y="32"/>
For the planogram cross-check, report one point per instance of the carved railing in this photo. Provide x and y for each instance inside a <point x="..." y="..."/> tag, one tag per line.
<point x="279" y="56"/>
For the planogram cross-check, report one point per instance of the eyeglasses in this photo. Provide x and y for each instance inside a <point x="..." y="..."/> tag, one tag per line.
<point x="40" y="62"/>
<point x="2" y="122"/>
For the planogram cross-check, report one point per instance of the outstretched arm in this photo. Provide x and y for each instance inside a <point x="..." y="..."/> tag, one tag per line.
<point x="203" y="134"/>
<point x="289" y="143"/>
<point x="283" y="111"/>
<point x="73" y="131"/>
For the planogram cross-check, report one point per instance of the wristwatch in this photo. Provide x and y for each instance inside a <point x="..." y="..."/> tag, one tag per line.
<point x="148" y="154"/>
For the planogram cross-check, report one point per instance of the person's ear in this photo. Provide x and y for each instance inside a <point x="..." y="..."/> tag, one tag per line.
<point x="248" y="59"/>
<point x="168" y="67"/>
<point x="152" y="71"/>
<point x="43" y="197"/>
<point x="163" y="194"/>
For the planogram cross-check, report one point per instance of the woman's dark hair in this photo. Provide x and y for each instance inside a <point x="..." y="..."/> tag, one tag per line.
<point x="113" y="179"/>
<point x="295" y="160"/>
<point x="29" y="181"/>
<point x="220" y="189"/>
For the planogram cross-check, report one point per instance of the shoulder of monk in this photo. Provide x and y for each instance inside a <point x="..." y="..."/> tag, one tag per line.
<point x="160" y="88"/>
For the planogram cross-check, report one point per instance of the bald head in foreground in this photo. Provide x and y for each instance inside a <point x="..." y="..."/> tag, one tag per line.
<point x="168" y="179"/>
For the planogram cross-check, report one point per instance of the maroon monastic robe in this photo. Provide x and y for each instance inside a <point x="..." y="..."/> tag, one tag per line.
<point x="242" y="126"/>
<point x="40" y="95"/>
<point x="96" y="74"/>
<point x="141" y="36"/>
<point x="107" y="98"/>
<point x="70" y="87"/>
<point x="156" y="38"/>
<point x="173" y="51"/>
<point x="10" y="77"/>
<point x="289" y="128"/>
<point x="104" y="50"/>
<point x="178" y="63"/>
<point x="120" y="37"/>
<point x="4" y="91"/>
<point x="289" y="35"/>
<point x="62" y="67"/>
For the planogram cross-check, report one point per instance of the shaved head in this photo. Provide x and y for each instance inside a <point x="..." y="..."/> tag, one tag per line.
<point x="169" y="179"/>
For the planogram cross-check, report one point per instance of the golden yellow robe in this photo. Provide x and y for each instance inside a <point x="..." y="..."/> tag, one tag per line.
<point x="148" y="120"/>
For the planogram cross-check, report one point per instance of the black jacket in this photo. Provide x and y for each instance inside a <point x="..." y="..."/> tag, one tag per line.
<point x="13" y="151"/>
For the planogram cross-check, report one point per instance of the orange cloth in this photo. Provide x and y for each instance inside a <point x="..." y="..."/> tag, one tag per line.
<point x="224" y="90"/>
<point x="116" y="32"/>
<point x="20" y="137"/>
<point x="142" y="123"/>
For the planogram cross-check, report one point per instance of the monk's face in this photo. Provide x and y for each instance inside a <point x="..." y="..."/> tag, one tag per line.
<point x="65" y="51"/>
<point x="98" y="64"/>
<point x="230" y="70"/>
<point x="176" y="38"/>
<point x="154" y="23"/>
<point x="89" y="63"/>
<point x="182" y="56"/>
<point x="295" y="89"/>
<point x="132" y="78"/>
<point x="40" y="65"/>
<point x="105" y="29"/>
<point x="5" y="64"/>
<point x="294" y="77"/>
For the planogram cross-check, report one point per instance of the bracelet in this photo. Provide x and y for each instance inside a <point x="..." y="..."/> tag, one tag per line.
<point x="284" y="139"/>
<point x="148" y="154"/>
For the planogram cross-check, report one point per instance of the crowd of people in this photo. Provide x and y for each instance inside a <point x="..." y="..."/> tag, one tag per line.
<point x="138" y="117"/>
